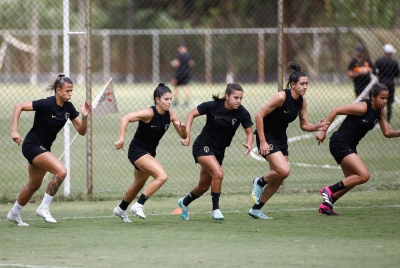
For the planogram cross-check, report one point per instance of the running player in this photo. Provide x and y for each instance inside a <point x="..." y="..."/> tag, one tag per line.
<point x="361" y="118"/>
<point x="153" y="123"/>
<point x="51" y="114"/>
<point x="224" y="115"/>
<point x="272" y="121"/>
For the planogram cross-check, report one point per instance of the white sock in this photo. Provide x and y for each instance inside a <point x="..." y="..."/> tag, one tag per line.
<point x="17" y="208"/>
<point x="46" y="201"/>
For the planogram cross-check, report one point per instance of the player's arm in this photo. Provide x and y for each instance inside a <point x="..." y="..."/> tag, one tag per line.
<point x="81" y="125"/>
<point x="178" y="125"/>
<point x="142" y="115"/>
<point x="249" y="139"/>
<point x="189" y="120"/>
<point x="307" y="126"/>
<point x="276" y="101"/>
<point x="387" y="132"/>
<point x="191" y="63"/>
<point x="18" y="108"/>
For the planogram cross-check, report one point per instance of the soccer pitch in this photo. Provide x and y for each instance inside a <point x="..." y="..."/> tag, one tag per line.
<point x="312" y="166"/>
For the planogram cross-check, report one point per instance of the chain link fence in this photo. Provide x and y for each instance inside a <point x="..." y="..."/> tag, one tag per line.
<point x="134" y="42"/>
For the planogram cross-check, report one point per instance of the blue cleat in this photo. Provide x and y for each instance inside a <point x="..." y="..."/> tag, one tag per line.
<point x="185" y="210"/>
<point x="257" y="214"/>
<point x="217" y="215"/>
<point x="256" y="192"/>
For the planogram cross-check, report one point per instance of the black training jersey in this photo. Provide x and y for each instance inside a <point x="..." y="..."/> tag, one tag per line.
<point x="360" y="81"/>
<point x="387" y="69"/>
<point x="50" y="118"/>
<point x="221" y="124"/>
<point x="354" y="127"/>
<point x="276" y="123"/>
<point x="183" y="69"/>
<point x="148" y="135"/>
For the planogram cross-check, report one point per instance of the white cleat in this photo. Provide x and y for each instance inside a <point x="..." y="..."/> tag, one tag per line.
<point x="138" y="210"/>
<point x="122" y="214"/>
<point x="16" y="218"/>
<point x="217" y="215"/>
<point x="45" y="215"/>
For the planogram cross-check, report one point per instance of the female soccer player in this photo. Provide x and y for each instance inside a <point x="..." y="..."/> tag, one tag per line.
<point x="361" y="118"/>
<point x="51" y="114"/>
<point x="272" y="121"/>
<point x="153" y="123"/>
<point x="224" y="115"/>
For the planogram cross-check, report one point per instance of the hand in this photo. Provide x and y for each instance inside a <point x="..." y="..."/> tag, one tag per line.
<point x="264" y="148"/>
<point x="86" y="109"/>
<point x="185" y="142"/>
<point x="181" y="126"/>
<point x="119" y="145"/>
<point x="321" y="137"/>
<point x="16" y="137"/>
<point x="321" y="126"/>
<point x="248" y="148"/>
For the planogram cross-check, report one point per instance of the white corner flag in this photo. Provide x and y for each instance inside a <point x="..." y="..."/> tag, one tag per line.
<point x="105" y="102"/>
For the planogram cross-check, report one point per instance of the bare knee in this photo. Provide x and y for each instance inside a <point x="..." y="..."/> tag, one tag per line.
<point x="364" y="177"/>
<point x="62" y="173"/>
<point x="218" y="176"/>
<point x="283" y="172"/>
<point x="163" y="178"/>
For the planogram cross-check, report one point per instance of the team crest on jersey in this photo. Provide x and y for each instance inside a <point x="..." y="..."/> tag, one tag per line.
<point x="234" y="120"/>
<point x="166" y="127"/>
<point x="206" y="149"/>
<point x="66" y="116"/>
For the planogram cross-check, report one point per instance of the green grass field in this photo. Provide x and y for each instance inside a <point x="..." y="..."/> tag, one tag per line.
<point x="87" y="235"/>
<point x="112" y="172"/>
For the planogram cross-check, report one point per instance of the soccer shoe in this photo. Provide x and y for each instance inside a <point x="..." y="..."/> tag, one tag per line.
<point x="184" y="209"/>
<point x="45" y="214"/>
<point x="323" y="209"/>
<point x="16" y="218"/>
<point x="326" y="194"/>
<point x="217" y="215"/>
<point x="138" y="210"/>
<point x="257" y="214"/>
<point x="122" y="214"/>
<point x="256" y="192"/>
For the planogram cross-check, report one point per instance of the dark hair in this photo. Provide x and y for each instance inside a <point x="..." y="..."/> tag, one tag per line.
<point x="160" y="90"/>
<point x="57" y="81"/>
<point x="294" y="77"/>
<point x="376" y="89"/>
<point x="228" y="91"/>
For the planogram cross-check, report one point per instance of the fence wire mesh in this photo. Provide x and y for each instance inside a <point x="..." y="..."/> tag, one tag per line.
<point x="135" y="43"/>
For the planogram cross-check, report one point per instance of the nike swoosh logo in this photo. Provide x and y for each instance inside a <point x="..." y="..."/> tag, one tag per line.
<point x="153" y="126"/>
<point x="286" y="112"/>
<point x="216" y="117"/>
<point x="53" y="116"/>
<point x="365" y="120"/>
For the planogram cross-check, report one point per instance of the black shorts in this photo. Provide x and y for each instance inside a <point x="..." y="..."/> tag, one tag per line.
<point x="275" y="146"/>
<point x="200" y="149"/>
<point x="30" y="150"/>
<point x="135" y="154"/>
<point x="184" y="80"/>
<point x="340" y="150"/>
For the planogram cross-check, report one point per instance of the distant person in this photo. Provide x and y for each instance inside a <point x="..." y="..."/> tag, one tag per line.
<point x="359" y="70"/>
<point x="224" y="116"/>
<point x="51" y="114"/>
<point x="272" y="121"/>
<point x="387" y="69"/>
<point x="361" y="117"/>
<point x="153" y="122"/>
<point x="183" y="64"/>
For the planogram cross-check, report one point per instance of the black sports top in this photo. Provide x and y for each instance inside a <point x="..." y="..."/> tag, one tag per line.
<point x="50" y="118"/>
<point x="221" y="124"/>
<point x="148" y="135"/>
<point x="276" y="123"/>
<point x="354" y="127"/>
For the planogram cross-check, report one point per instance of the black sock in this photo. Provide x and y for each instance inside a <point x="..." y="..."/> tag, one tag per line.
<point x="215" y="200"/>
<point x="259" y="206"/>
<point x="124" y="205"/>
<point x="142" y="199"/>
<point x="337" y="187"/>
<point x="334" y="199"/>
<point x="261" y="182"/>
<point x="189" y="199"/>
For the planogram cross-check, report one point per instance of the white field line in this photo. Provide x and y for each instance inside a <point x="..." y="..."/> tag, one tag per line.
<point x="225" y="211"/>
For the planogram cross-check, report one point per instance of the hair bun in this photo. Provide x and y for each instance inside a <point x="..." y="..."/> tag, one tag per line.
<point x="161" y="85"/>
<point x="296" y="67"/>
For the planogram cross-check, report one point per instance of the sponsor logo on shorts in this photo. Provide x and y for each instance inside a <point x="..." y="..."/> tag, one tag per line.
<point x="41" y="147"/>
<point x="234" y="120"/>
<point x="206" y="149"/>
<point x="66" y="116"/>
<point x="271" y="147"/>
<point x="166" y="127"/>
